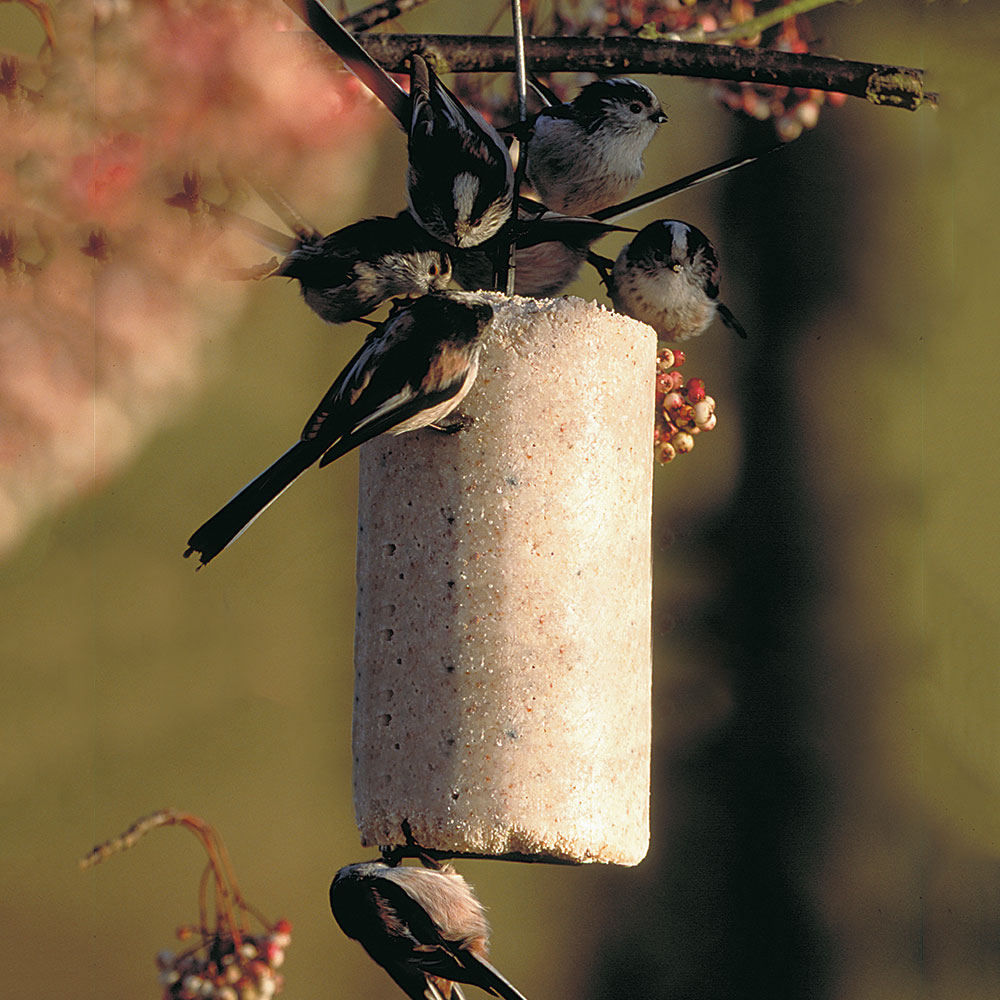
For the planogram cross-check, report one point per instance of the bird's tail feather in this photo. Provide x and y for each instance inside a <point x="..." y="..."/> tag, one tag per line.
<point x="616" y="212"/>
<point x="731" y="321"/>
<point x="493" y="981"/>
<point x="267" y="237"/>
<point x="563" y="229"/>
<point x="224" y="527"/>
<point x="357" y="60"/>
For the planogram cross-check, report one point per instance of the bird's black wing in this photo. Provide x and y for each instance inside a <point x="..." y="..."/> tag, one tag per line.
<point x="393" y="377"/>
<point x="438" y="116"/>
<point x="436" y="956"/>
<point x="388" y="419"/>
<point x="371" y="915"/>
<point x="326" y="263"/>
<point x="413" y="982"/>
<point x="329" y="262"/>
<point x="331" y="420"/>
<point x="570" y="229"/>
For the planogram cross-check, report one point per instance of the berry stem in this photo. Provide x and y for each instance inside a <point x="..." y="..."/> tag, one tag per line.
<point x="747" y="29"/>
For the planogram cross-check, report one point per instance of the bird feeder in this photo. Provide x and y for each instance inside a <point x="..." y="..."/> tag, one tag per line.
<point x="502" y="643"/>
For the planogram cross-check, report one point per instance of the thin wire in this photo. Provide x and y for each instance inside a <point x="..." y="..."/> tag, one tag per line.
<point x="520" y="63"/>
<point x="521" y="70"/>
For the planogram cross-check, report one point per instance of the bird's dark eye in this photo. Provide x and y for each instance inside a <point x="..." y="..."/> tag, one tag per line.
<point x="433" y="270"/>
<point x="635" y="107"/>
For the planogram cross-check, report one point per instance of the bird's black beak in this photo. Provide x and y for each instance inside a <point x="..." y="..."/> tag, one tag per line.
<point x="658" y="116"/>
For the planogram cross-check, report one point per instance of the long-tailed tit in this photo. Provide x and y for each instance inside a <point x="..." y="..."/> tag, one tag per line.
<point x="460" y="180"/>
<point x="424" y="927"/>
<point x="351" y="272"/>
<point x="586" y="154"/>
<point x="411" y="371"/>
<point x="668" y="277"/>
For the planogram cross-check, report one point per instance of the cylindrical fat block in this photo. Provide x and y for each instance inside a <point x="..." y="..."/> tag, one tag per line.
<point x="502" y="645"/>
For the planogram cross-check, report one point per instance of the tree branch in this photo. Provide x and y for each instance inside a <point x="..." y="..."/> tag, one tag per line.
<point x="893" y="86"/>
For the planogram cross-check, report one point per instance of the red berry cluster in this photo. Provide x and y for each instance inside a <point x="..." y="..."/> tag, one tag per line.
<point x="683" y="409"/>
<point x="82" y="181"/>
<point x="227" y="967"/>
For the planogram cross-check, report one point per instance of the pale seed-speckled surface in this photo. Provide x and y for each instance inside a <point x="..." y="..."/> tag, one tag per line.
<point x="502" y="644"/>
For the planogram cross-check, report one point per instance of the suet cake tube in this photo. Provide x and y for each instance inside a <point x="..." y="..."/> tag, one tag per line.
<point x="502" y="645"/>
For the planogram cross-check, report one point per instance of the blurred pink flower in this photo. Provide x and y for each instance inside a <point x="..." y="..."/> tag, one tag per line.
<point x="107" y="294"/>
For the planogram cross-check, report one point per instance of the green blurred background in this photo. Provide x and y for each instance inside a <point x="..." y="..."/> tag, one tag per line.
<point x="827" y="704"/>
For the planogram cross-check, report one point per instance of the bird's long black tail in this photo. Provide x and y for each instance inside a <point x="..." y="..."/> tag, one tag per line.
<point x="490" y="979"/>
<point x="358" y="61"/>
<point x="616" y="212"/>
<point x="232" y="520"/>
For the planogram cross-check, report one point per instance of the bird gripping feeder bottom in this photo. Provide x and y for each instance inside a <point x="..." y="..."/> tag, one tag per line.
<point x="502" y="643"/>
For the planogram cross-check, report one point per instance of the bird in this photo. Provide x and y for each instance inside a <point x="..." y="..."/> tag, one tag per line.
<point x="459" y="178"/>
<point x="351" y="272"/>
<point x="586" y="154"/>
<point x="411" y="372"/>
<point x="668" y="276"/>
<point x="425" y="927"/>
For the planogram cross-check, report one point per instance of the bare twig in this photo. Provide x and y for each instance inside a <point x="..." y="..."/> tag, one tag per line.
<point x="379" y="13"/>
<point x="894" y="86"/>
